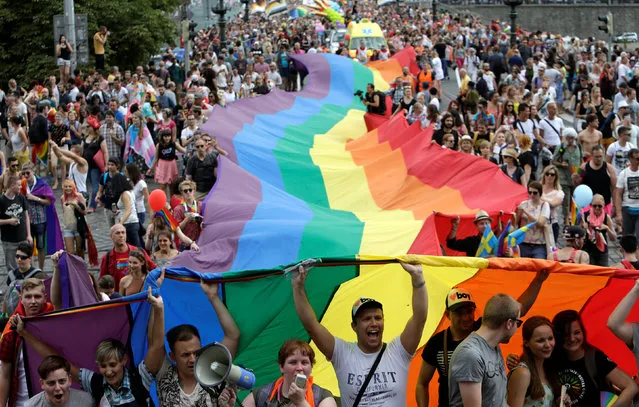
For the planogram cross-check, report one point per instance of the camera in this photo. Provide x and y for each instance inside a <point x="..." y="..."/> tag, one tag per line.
<point x="359" y="94"/>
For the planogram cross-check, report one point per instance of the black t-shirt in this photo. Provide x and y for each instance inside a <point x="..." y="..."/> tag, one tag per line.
<point x="583" y="391"/>
<point x="467" y="245"/>
<point x="13" y="208"/>
<point x="438" y="137"/>
<point x="203" y="171"/>
<point x="167" y="152"/>
<point x="433" y="354"/>
<point x="39" y="130"/>
<point x="527" y="157"/>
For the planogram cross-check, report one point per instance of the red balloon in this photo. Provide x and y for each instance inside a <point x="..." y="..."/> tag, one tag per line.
<point x="157" y="200"/>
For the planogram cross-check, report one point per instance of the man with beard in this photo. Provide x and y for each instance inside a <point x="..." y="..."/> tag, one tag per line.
<point x="477" y="372"/>
<point x="460" y="310"/>
<point x="448" y="123"/>
<point x="355" y="363"/>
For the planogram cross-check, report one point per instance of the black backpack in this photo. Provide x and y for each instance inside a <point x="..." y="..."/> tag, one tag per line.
<point x="381" y="109"/>
<point x="140" y="393"/>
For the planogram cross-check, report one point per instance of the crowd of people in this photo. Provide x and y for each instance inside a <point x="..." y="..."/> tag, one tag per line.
<point x="99" y="134"/>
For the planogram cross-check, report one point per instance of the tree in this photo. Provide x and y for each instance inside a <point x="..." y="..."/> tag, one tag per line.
<point x="138" y="29"/>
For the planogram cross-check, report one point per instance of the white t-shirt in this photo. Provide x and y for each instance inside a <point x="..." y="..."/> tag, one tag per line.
<point x="138" y="191"/>
<point x="220" y="73"/>
<point x="527" y="127"/>
<point x="623" y="71"/>
<point x="619" y="155"/>
<point x="387" y="388"/>
<point x="438" y="68"/>
<point x="551" y="136"/>
<point x="629" y="181"/>
<point x="23" y="395"/>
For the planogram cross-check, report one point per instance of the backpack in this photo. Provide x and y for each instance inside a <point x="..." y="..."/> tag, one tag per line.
<point x="382" y="102"/>
<point x="12" y="298"/>
<point x="140" y="393"/>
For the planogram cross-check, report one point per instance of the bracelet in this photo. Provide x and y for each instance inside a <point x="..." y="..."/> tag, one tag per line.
<point x="420" y="284"/>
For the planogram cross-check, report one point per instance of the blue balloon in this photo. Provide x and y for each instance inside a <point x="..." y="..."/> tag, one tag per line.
<point x="582" y="196"/>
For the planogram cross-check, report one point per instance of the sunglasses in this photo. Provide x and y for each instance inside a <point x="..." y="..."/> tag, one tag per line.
<point x="597" y="206"/>
<point x="533" y="192"/>
<point x="552" y="174"/>
<point x="187" y="191"/>
<point x="26" y="173"/>
<point x="199" y="146"/>
<point x="22" y="256"/>
<point x="15" y="165"/>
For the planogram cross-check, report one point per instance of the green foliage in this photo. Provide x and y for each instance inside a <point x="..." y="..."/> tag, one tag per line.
<point x="138" y="29"/>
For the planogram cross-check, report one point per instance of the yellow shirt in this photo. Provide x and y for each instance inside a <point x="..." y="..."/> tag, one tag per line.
<point x="98" y="46"/>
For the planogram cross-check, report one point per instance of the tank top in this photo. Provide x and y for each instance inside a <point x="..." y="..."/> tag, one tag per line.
<point x="78" y="178"/>
<point x="65" y="53"/>
<point x="17" y="144"/>
<point x="598" y="181"/>
<point x="133" y="217"/>
<point x="570" y="259"/>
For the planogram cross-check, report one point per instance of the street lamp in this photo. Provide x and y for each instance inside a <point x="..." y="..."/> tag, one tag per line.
<point x="221" y="11"/>
<point x="434" y="11"/>
<point x="513" y="18"/>
<point x="246" y="10"/>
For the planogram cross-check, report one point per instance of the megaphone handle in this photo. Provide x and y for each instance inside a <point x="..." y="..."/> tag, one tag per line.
<point x="215" y="391"/>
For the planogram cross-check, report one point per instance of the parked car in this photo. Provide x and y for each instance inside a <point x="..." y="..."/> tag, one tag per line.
<point x="626" y="37"/>
<point x="334" y="38"/>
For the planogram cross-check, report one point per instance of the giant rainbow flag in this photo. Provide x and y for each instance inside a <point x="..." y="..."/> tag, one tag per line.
<point x="309" y="175"/>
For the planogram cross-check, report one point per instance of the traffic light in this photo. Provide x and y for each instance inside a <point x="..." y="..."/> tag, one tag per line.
<point x="607" y="20"/>
<point x="192" y="26"/>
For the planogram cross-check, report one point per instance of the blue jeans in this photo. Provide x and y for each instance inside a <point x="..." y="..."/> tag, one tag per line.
<point x="94" y="180"/>
<point x="533" y="251"/>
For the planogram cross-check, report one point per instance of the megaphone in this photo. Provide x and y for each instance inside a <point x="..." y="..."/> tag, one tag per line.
<point x="214" y="365"/>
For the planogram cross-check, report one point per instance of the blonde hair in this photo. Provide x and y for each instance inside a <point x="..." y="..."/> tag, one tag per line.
<point x="31" y="283"/>
<point x="548" y="168"/>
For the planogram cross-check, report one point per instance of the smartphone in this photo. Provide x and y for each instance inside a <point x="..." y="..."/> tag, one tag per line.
<point x="300" y="381"/>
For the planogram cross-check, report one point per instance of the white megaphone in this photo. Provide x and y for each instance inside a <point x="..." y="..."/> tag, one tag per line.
<point x="214" y="365"/>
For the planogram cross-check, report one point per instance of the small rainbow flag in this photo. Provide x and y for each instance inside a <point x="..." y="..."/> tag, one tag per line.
<point x="40" y="152"/>
<point x="168" y="219"/>
<point x="607" y="398"/>
<point x="575" y="213"/>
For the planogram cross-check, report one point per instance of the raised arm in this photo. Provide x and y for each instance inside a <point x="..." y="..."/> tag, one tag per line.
<point x="231" y="331"/>
<point x="156" y="352"/>
<point x="56" y="297"/>
<point x="324" y="340"/>
<point x="528" y="297"/>
<point x="412" y="333"/>
<point x="617" y="320"/>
